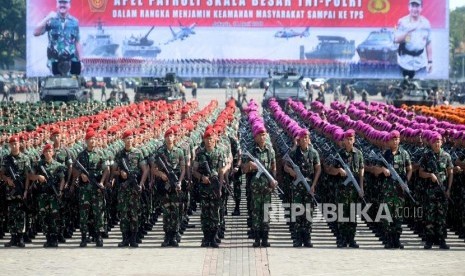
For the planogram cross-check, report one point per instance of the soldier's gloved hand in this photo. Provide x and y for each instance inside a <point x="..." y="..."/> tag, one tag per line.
<point x="123" y="175"/>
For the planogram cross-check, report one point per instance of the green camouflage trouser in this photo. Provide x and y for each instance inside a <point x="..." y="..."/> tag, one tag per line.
<point x="170" y="206"/>
<point x="345" y="196"/>
<point x="435" y="213"/>
<point x="16" y="216"/>
<point x="128" y="208"/>
<point x="303" y="222"/>
<point x="260" y="195"/>
<point x="210" y="213"/>
<point x="49" y="211"/>
<point x="91" y="199"/>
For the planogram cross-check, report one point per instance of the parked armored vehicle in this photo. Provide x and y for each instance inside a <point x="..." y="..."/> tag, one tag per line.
<point x="158" y="89"/>
<point x="332" y="47"/>
<point x="284" y="86"/>
<point x="62" y="89"/>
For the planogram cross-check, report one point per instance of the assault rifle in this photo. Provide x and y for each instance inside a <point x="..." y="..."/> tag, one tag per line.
<point x="262" y="170"/>
<point x="216" y="181"/>
<point x="299" y="177"/>
<point x="19" y="189"/>
<point x="172" y="177"/>
<point x="131" y="177"/>
<point x="91" y="177"/>
<point x="47" y="178"/>
<point x="350" y="177"/>
<point x="394" y="175"/>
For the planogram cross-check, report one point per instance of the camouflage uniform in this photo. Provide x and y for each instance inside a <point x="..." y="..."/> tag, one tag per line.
<point x="260" y="191"/>
<point x="91" y="198"/>
<point x="62" y="38"/>
<point x="21" y="166"/>
<point x="435" y="211"/>
<point x="209" y="200"/>
<point x="346" y="195"/>
<point x="49" y="206"/>
<point x="129" y="193"/>
<point x="393" y="195"/>
<point x="306" y="160"/>
<point x="169" y="198"/>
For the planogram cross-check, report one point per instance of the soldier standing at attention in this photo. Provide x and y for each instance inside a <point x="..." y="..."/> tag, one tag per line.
<point x="308" y="160"/>
<point x="210" y="196"/>
<point x="170" y="157"/>
<point x="346" y="194"/>
<point x="260" y="187"/>
<point x="91" y="196"/>
<point x="436" y="169"/>
<point x="50" y="173"/>
<point x="415" y="54"/>
<point x="16" y="163"/>
<point x="132" y="170"/>
<point x="63" y="38"/>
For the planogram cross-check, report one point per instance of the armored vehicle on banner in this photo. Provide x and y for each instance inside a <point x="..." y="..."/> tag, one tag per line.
<point x="99" y="44"/>
<point x="62" y="89"/>
<point x="332" y="47"/>
<point x="140" y="46"/>
<point x="285" y="85"/>
<point x="158" y="89"/>
<point x="379" y="46"/>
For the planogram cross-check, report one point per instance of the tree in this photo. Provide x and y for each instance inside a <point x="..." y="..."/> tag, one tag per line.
<point x="12" y="32"/>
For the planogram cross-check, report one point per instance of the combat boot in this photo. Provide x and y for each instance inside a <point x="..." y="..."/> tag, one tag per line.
<point x="443" y="244"/>
<point x="306" y="239"/>
<point x="213" y="242"/>
<point x="173" y="242"/>
<point x="396" y="241"/>
<point x="98" y="240"/>
<point x="353" y="244"/>
<point x="388" y="241"/>
<point x="83" y="239"/>
<point x="47" y="241"/>
<point x="26" y="237"/>
<point x="132" y="240"/>
<point x="53" y="240"/>
<point x="257" y="239"/>
<point x="178" y="236"/>
<point x="166" y="241"/>
<point x="206" y="239"/>
<point x="21" y="240"/>
<point x="61" y="238"/>
<point x="429" y="243"/>
<point x="265" y="242"/>
<point x="125" y="241"/>
<point x="13" y="241"/>
<point x="236" y="211"/>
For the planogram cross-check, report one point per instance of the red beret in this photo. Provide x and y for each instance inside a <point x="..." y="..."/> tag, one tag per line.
<point x="209" y="132"/>
<point x="127" y="133"/>
<point x="171" y="130"/>
<point x="55" y="131"/>
<point x="90" y="134"/>
<point x="13" y="139"/>
<point x="47" y="147"/>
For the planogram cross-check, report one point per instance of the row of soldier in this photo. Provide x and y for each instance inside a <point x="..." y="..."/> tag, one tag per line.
<point x="137" y="183"/>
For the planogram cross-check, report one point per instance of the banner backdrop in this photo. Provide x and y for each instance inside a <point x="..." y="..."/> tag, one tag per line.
<point x="239" y="38"/>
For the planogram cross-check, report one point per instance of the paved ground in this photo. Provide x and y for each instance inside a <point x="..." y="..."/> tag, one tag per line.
<point x="235" y="256"/>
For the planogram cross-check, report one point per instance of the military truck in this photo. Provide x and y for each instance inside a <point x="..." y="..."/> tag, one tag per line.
<point x="158" y="89"/>
<point x="408" y="93"/>
<point x="62" y="88"/>
<point x="285" y="85"/>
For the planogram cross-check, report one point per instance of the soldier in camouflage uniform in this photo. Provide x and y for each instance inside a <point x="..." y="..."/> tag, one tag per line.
<point x="260" y="188"/>
<point x="91" y="191"/>
<point x="346" y="195"/>
<point x="392" y="193"/>
<point x="133" y="171"/>
<point x="210" y="196"/>
<point x="308" y="160"/>
<point x="168" y="187"/>
<point x="18" y="164"/>
<point x="436" y="169"/>
<point x="49" y="173"/>
<point x="63" y="38"/>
